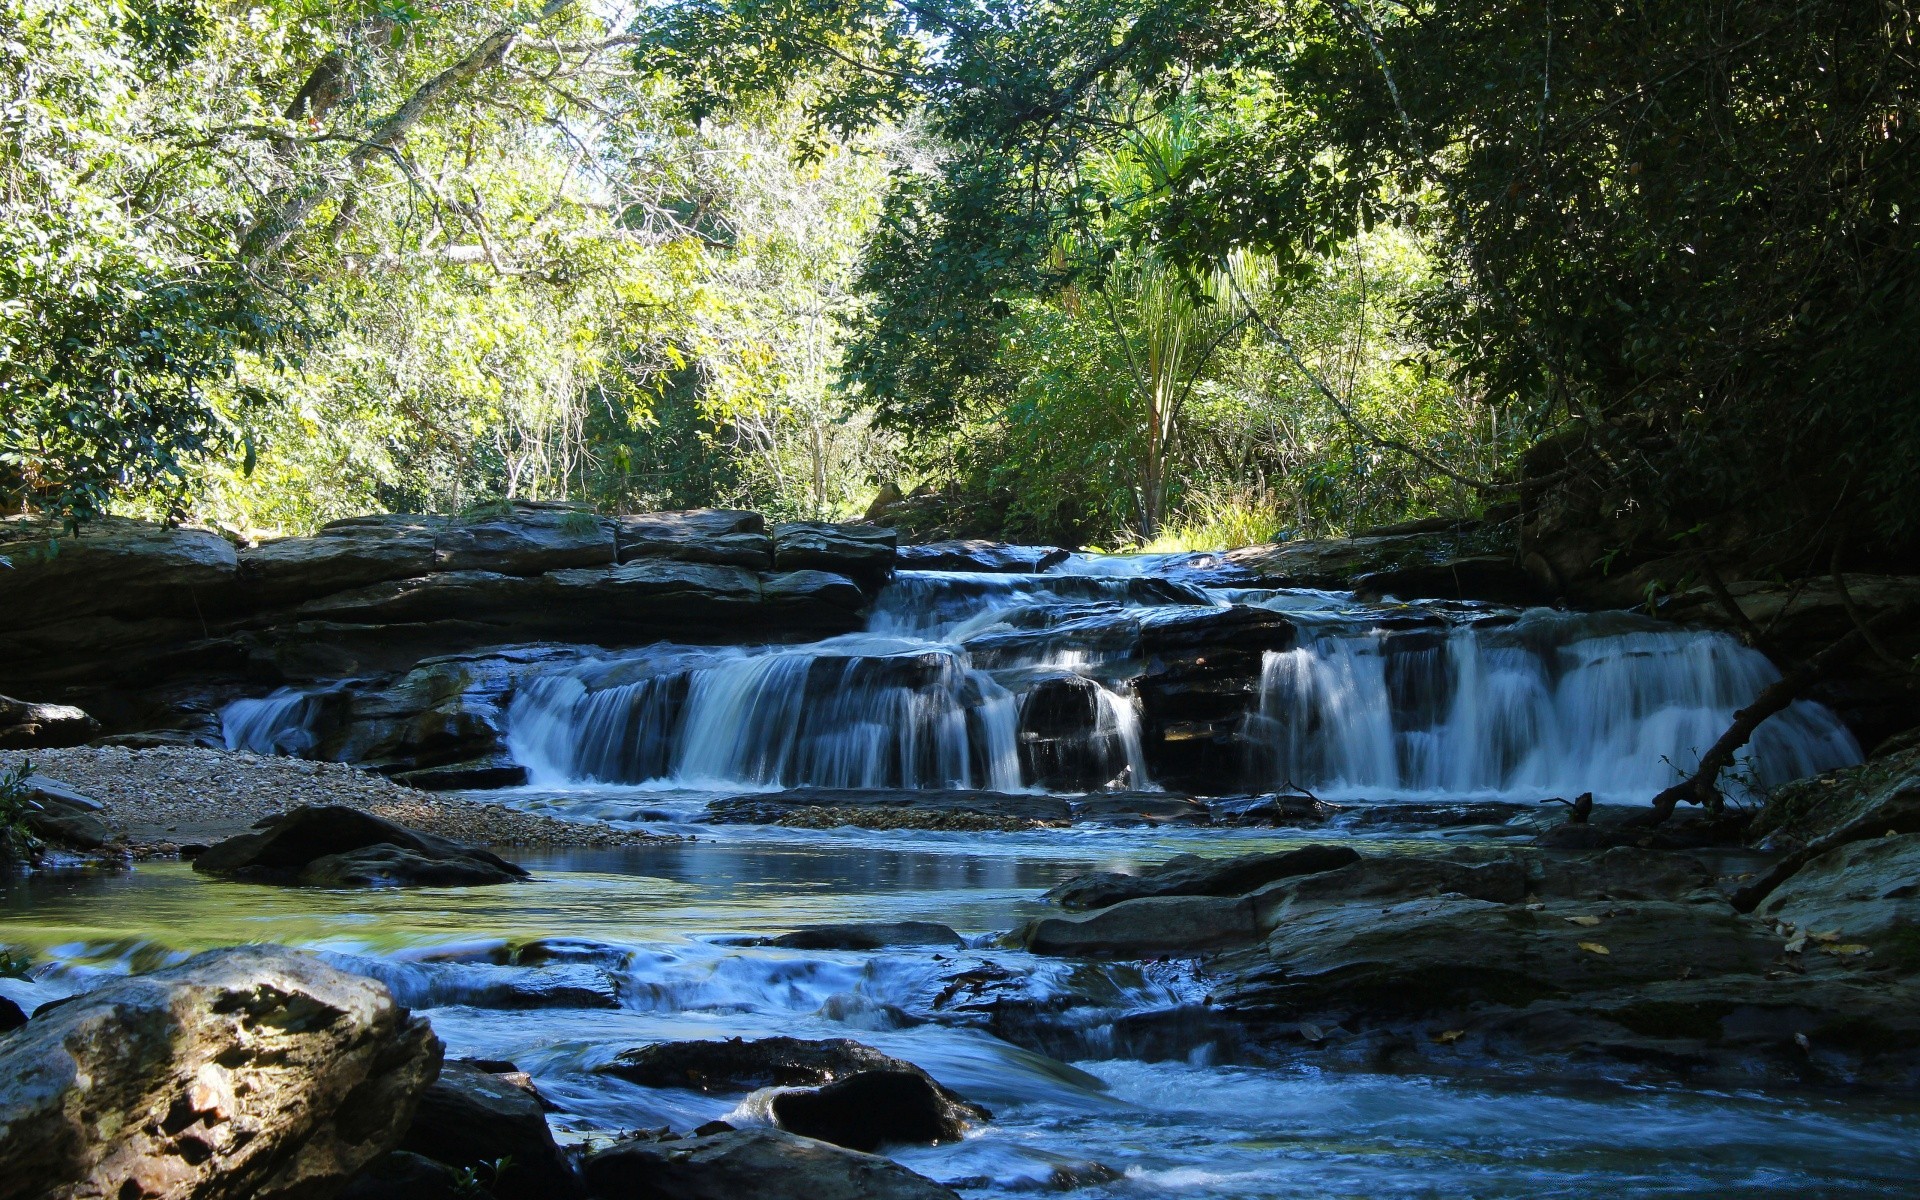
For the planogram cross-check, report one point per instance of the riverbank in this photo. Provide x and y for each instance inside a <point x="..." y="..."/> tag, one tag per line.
<point x="160" y="800"/>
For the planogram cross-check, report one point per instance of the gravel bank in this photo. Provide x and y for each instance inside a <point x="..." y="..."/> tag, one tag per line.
<point x="167" y="798"/>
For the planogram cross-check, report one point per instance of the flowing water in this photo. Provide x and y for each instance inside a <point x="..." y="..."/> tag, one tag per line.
<point x="606" y="950"/>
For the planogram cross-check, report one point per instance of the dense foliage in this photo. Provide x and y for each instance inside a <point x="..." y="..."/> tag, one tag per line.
<point x="1090" y="270"/>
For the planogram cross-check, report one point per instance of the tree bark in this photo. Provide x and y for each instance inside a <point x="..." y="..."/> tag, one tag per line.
<point x="271" y="232"/>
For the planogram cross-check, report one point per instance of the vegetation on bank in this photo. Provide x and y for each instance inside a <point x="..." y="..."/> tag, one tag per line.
<point x="1108" y="271"/>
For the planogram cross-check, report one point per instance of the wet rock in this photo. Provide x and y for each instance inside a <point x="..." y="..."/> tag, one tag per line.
<point x="403" y="1176"/>
<point x="766" y="1164"/>
<point x="813" y="599"/>
<point x="871" y="1109"/>
<point x="1810" y="817"/>
<point x="1201" y="877"/>
<point x="738" y="1065"/>
<point x="864" y="553"/>
<point x="1493" y="577"/>
<point x="1860" y="894"/>
<point x="976" y="555"/>
<point x="1278" y="809"/>
<point x="342" y="555"/>
<point x="25" y="726"/>
<point x="529" y="537"/>
<point x="336" y="846"/>
<point x="768" y="809"/>
<point x="1141" y="808"/>
<point x="1622" y="873"/>
<point x="869" y="935"/>
<point x="1201" y="679"/>
<point x="64" y="817"/>
<point x="1066" y="742"/>
<point x="11" y="1015"/>
<point x="474" y="1118"/>
<point x="728" y="537"/>
<point x="239" y="1073"/>
<point x="1176" y="925"/>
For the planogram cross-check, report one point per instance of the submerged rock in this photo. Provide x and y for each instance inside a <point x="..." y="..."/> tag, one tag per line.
<point x="869" y="935"/>
<point x="765" y="1164"/>
<point x="336" y="846"/>
<point x="249" y="1073"/>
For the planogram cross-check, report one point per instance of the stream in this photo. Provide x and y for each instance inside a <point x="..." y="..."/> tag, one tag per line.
<point x="1107" y="1078"/>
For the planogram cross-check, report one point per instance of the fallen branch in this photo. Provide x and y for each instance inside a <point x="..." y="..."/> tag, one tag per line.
<point x="1703" y="786"/>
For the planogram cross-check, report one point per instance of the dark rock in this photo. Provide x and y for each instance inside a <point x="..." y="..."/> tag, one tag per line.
<point x="1862" y="893"/>
<point x="871" y="1109"/>
<point x="382" y="866"/>
<point x="11" y="1016"/>
<point x="403" y="1176"/>
<point x="765" y="1164"/>
<point x="114" y="567"/>
<point x="1201" y="679"/>
<point x="239" y="1073"/>
<point x="1141" y="808"/>
<point x="25" y="726"/>
<point x="473" y="1118"/>
<point x="1159" y="925"/>
<point x="813" y="599"/>
<point x="63" y="827"/>
<point x="1811" y="817"/>
<point x="975" y="555"/>
<point x="1201" y="877"/>
<point x="1278" y="809"/>
<point x="737" y="1065"/>
<point x="333" y="842"/>
<point x="1622" y="873"/>
<point x="1494" y="577"/>
<point x="1339" y="562"/>
<point x="864" y="553"/>
<point x="768" y="808"/>
<point x="728" y="537"/>
<point x="869" y="935"/>
<point x="1392" y="877"/>
<point x="474" y="774"/>
<point x="1067" y="742"/>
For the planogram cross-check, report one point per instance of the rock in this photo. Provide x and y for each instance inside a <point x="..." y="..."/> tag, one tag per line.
<point x="25" y="726"/>
<point x="11" y="1016"/>
<point x="342" y="555"/>
<point x="114" y="567"/>
<point x="765" y="1164"/>
<point x="864" y="553"/>
<point x="403" y="1176"/>
<point x="1864" y="893"/>
<point x="869" y="935"/>
<point x="813" y="599"/>
<point x="1810" y="817"/>
<point x="728" y="537"/>
<point x="530" y="537"/>
<point x="769" y="808"/>
<point x="1493" y="577"/>
<point x="1622" y="873"/>
<point x="975" y="555"/>
<point x="1339" y="562"/>
<point x="1201" y="679"/>
<point x="335" y="846"/>
<point x="472" y="775"/>
<point x="249" y="1073"/>
<point x="1278" y="809"/>
<point x="63" y="827"/>
<point x="1141" y="808"/>
<point x="1067" y="741"/>
<point x="871" y="1109"/>
<point x="737" y="1065"/>
<point x="1201" y="877"/>
<point x="473" y="1118"/>
<point x="1176" y="925"/>
<point x="1391" y="877"/>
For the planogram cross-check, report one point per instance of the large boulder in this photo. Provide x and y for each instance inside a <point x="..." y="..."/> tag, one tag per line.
<point x="1810" y="817"/>
<point x="1391" y="877"/>
<point x="1201" y="876"/>
<point x="1150" y="927"/>
<point x="766" y="1164"/>
<point x="1201" y="679"/>
<point x="738" y="1066"/>
<point x="871" y="1109"/>
<point x="250" y="1074"/>
<point x="112" y="567"/>
<point x="976" y="555"/>
<point x="1340" y="562"/>
<point x="64" y="817"/>
<point x="473" y="1117"/>
<point x="728" y="537"/>
<point x="863" y="553"/>
<point x="336" y="846"/>
<point x="1067" y="741"/>
<point x="869" y="935"/>
<point x="27" y="726"/>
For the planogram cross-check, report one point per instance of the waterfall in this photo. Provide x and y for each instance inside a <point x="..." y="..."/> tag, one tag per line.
<point x="282" y="723"/>
<point x="1551" y="704"/>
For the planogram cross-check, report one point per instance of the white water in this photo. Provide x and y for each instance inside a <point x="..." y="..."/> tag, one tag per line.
<point x="278" y="724"/>
<point x="1553" y="704"/>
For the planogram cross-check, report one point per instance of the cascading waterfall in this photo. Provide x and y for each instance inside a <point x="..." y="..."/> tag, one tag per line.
<point x="278" y="724"/>
<point x="1550" y="704"/>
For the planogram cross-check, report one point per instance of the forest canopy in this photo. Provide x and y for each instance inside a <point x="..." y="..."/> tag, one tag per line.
<point x="1095" y="271"/>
